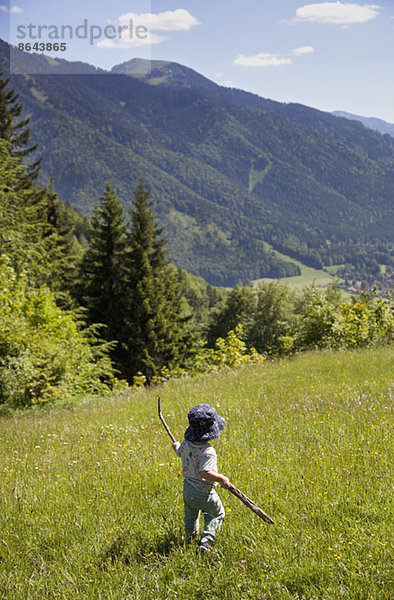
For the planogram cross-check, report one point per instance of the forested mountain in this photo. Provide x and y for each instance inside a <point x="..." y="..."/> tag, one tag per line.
<point x="370" y="122"/>
<point x="162" y="72"/>
<point x="232" y="175"/>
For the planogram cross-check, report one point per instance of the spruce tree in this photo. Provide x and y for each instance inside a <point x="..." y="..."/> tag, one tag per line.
<point x="154" y="324"/>
<point x="62" y="250"/>
<point x="102" y="272"/>
<point x="16" y="131"/>
<point x="22" y="214"/>
<point x="36" y="232"/>
<point x="20" y="231"/>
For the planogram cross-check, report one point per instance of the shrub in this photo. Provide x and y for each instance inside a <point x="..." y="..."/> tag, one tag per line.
<point x="331" y="322"/>
<point x="44" y="352"/>
<point x="229" y="352"/>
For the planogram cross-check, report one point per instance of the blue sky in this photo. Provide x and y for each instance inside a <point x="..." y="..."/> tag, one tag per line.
<point x="332" y="55"/>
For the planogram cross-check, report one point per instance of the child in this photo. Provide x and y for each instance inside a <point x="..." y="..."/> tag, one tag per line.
<point x="199" y="469"/>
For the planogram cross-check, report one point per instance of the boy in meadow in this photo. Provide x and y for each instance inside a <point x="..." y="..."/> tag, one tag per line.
<point x="199" y="469"/>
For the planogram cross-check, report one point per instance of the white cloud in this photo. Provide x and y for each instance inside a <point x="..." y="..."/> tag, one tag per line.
<point x="175" y="20"/>
<point x="336" y="13"/>
<point x="170" y="20"/>
<point x="262" y="59"/>
<point x="14" y="9"/>
<point x="303" y="50"/>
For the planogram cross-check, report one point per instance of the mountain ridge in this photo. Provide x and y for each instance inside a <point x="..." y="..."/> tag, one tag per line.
<point x="229" y="171"/>
<point x="380" y="125"/>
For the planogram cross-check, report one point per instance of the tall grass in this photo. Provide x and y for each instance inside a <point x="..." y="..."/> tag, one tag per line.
<point x="91" y="504"/>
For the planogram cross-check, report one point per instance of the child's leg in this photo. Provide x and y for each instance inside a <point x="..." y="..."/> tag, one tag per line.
<point x="192" y="510"/>
<point x="191" y="520"/>
<point x="213" y="516"/>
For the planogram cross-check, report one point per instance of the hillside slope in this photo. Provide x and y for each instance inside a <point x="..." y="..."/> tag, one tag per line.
<point x="94" y="492"/>
<point x="228" y="170"/>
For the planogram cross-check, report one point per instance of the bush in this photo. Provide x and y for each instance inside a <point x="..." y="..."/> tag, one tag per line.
<point x="364" y="321"/>
<point x="334" y="323"/>
<point x="44" y="353"/>
<point x="229" y="352"/>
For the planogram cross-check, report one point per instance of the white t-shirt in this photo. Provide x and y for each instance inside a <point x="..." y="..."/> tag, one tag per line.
<point x="195" y="458"/>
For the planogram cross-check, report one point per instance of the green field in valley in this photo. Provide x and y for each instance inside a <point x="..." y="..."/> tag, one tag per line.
<point x="308" y="276"/>
<point x="91" y="493"/>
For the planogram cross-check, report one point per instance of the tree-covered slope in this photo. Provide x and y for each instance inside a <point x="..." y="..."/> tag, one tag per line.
<point x="228" y="170"/>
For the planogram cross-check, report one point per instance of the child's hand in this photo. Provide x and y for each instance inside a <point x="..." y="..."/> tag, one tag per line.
<point x="176" y="445"/>
<point x="225" y="483"/>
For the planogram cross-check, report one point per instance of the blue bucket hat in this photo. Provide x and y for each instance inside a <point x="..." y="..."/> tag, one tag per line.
<point x="204" y="424"/>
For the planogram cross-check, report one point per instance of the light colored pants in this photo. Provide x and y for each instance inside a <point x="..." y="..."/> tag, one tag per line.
<point x="207" y="501"/>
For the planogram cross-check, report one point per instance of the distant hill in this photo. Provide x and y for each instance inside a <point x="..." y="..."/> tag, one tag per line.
<point x="237" y="180"/>
<point x="370" y="122"/>
<point x="161" y="72"/>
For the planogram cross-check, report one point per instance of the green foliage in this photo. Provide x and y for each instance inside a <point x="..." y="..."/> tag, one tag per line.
<point x="238" y="308"/>
<point x="317" y="316"/>
<point x="266" y="314"/>
<point x="273" y="319"/>
<point x="227" y="353"/>
<point x="44" y="354"/>
<point x="331" y="322"/>
<point x="277" y="321"/>
<point x="201" y="301"/>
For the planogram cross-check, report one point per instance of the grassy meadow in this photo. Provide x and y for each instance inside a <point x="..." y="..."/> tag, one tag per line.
<point x="91" y="494"/>
<point x="309" y="276"/>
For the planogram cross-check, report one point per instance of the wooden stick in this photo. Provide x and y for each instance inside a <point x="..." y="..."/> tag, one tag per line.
<point x="250" y="504"/>
<point x="235" y="491"/>
<point x="163" y="421"/>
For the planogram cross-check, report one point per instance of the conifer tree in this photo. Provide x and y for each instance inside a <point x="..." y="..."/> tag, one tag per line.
<point x="16" y="131"/>
<point x="21" y="204"/>
<point x="154" y="324"/>
<point x="62" y="250"/>
<point x="36" y="229"/>
<point x="20" y="232"/>
<point x="102" y="272"/>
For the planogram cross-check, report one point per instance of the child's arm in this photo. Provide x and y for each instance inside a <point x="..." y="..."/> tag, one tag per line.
<point x="214" y="477"/>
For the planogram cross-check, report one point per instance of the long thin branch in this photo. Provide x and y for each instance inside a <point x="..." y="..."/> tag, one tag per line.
<point x="163" y="421"/>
